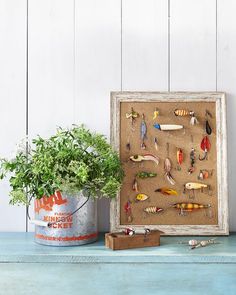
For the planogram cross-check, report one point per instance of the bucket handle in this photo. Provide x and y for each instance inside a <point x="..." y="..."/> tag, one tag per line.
<point x="49" y="224"/>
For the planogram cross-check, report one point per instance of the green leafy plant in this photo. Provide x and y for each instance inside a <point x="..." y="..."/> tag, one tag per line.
<point x="70" y="161"/>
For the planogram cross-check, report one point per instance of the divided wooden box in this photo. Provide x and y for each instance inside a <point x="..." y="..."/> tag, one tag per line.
<point x="120" y="241"/>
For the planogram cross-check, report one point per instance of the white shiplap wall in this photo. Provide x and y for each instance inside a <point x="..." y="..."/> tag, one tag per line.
<point x="80" y="50"/>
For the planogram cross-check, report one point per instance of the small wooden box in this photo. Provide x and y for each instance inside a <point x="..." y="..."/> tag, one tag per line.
<point x="120" y="241"/>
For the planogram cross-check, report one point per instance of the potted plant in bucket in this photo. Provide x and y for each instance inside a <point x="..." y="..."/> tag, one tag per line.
<point x="64" y="174"/>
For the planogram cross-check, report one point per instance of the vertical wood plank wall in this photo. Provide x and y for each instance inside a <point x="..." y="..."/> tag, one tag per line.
<point x="80" y="50"/>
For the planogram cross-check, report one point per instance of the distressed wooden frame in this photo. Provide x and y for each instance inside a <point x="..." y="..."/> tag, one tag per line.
<point x="222" y="228"/>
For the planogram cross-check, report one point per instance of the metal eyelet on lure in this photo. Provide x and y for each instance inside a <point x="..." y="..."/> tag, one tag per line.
<point x="128" y="211"/>
<point x="192" y="161"/>
<point x="143" y="133"/>
<point x="168" y="127"/>
<point x="166" y="191"/>
<point x="155" y="113"/>
<point x="132" y="116"/>
<point x="168" y="167"/>
<point x="183" y="113"/>
<point x="207" y="125"/>
<point x="147" y="157"/>
<point x="180" y="158"/>
<point x="205" y="146"/>
<point x="189" y="207"/>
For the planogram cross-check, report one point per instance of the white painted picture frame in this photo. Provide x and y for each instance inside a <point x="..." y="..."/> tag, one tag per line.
<point x="222" y="228"/>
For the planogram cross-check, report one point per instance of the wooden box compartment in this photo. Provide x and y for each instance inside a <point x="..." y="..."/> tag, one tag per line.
<point x="121" y="241"/>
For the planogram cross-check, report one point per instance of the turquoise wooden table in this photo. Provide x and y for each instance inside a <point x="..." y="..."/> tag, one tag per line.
<point x="28" y="268"/>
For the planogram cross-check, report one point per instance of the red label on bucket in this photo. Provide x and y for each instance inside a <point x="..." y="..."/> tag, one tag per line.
<point x="47" y="203"/>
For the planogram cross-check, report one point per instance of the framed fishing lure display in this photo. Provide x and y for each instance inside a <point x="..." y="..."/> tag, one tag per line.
<point x="173" y="150"/>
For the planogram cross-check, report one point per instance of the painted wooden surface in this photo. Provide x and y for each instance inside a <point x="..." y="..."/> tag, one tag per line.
<point x="118" y="279"/>
<point x="28" y="268"/>
<point x="20" y="247"/>
<point x="13" y="100"/>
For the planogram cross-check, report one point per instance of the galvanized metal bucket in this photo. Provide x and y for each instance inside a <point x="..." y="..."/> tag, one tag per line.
<point x="65" y="230"/>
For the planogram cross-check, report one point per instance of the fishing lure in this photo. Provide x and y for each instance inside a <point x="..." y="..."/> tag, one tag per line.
<point x="130" y="231"/>
<point x="205" y="146"/>
<point x="128" y="211"/>
<point x="204" y="174"/>
<point x="195" y="185"/>
<point x="135" y="185"/>
<point x="155" y="113"/>
<point x="128" y="146"/>
<point x="189" y="207"/>
<point x="156" y="143"/>
<point x="143" y="132"/>
<point x="204" y="243"/>
<point x="141" y="197"/>
<point x="153" y="209"/>
<point x="207" y="125"/>
<point x="192" y="186"/>
<point x="180" y="158"/>
<point x="183" y="113"/>
<point x="167" y="168"/>
<point x="147" y="157"/>
<point x="192" y="161"/>
<point x="168" y="127"/>
<point x="144" y="174"/>
<point x="166" y="191"/>
<point x="132" y="116"/>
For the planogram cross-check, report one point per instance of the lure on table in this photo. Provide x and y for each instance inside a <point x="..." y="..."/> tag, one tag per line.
<point x="189" y="207"/>
<point x="143" y="133"/>
<point x="205" y="146"/>
<point x="153" y="209"/>
<point x="192" y="161"/>
<point x="167" y="168"/>
<point x="168" y="127"/>
<point x="147" y="157"/>
<point x="141" y="197"/>
<point x="183" y="113"/>
<point x="180" y="158"/>
<point x="128" y="211"/>
<point x="167" y="191"/>
<point x="144" y="174"/>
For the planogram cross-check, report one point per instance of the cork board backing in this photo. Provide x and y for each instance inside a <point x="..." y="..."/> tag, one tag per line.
<point x="176" y="139"/>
